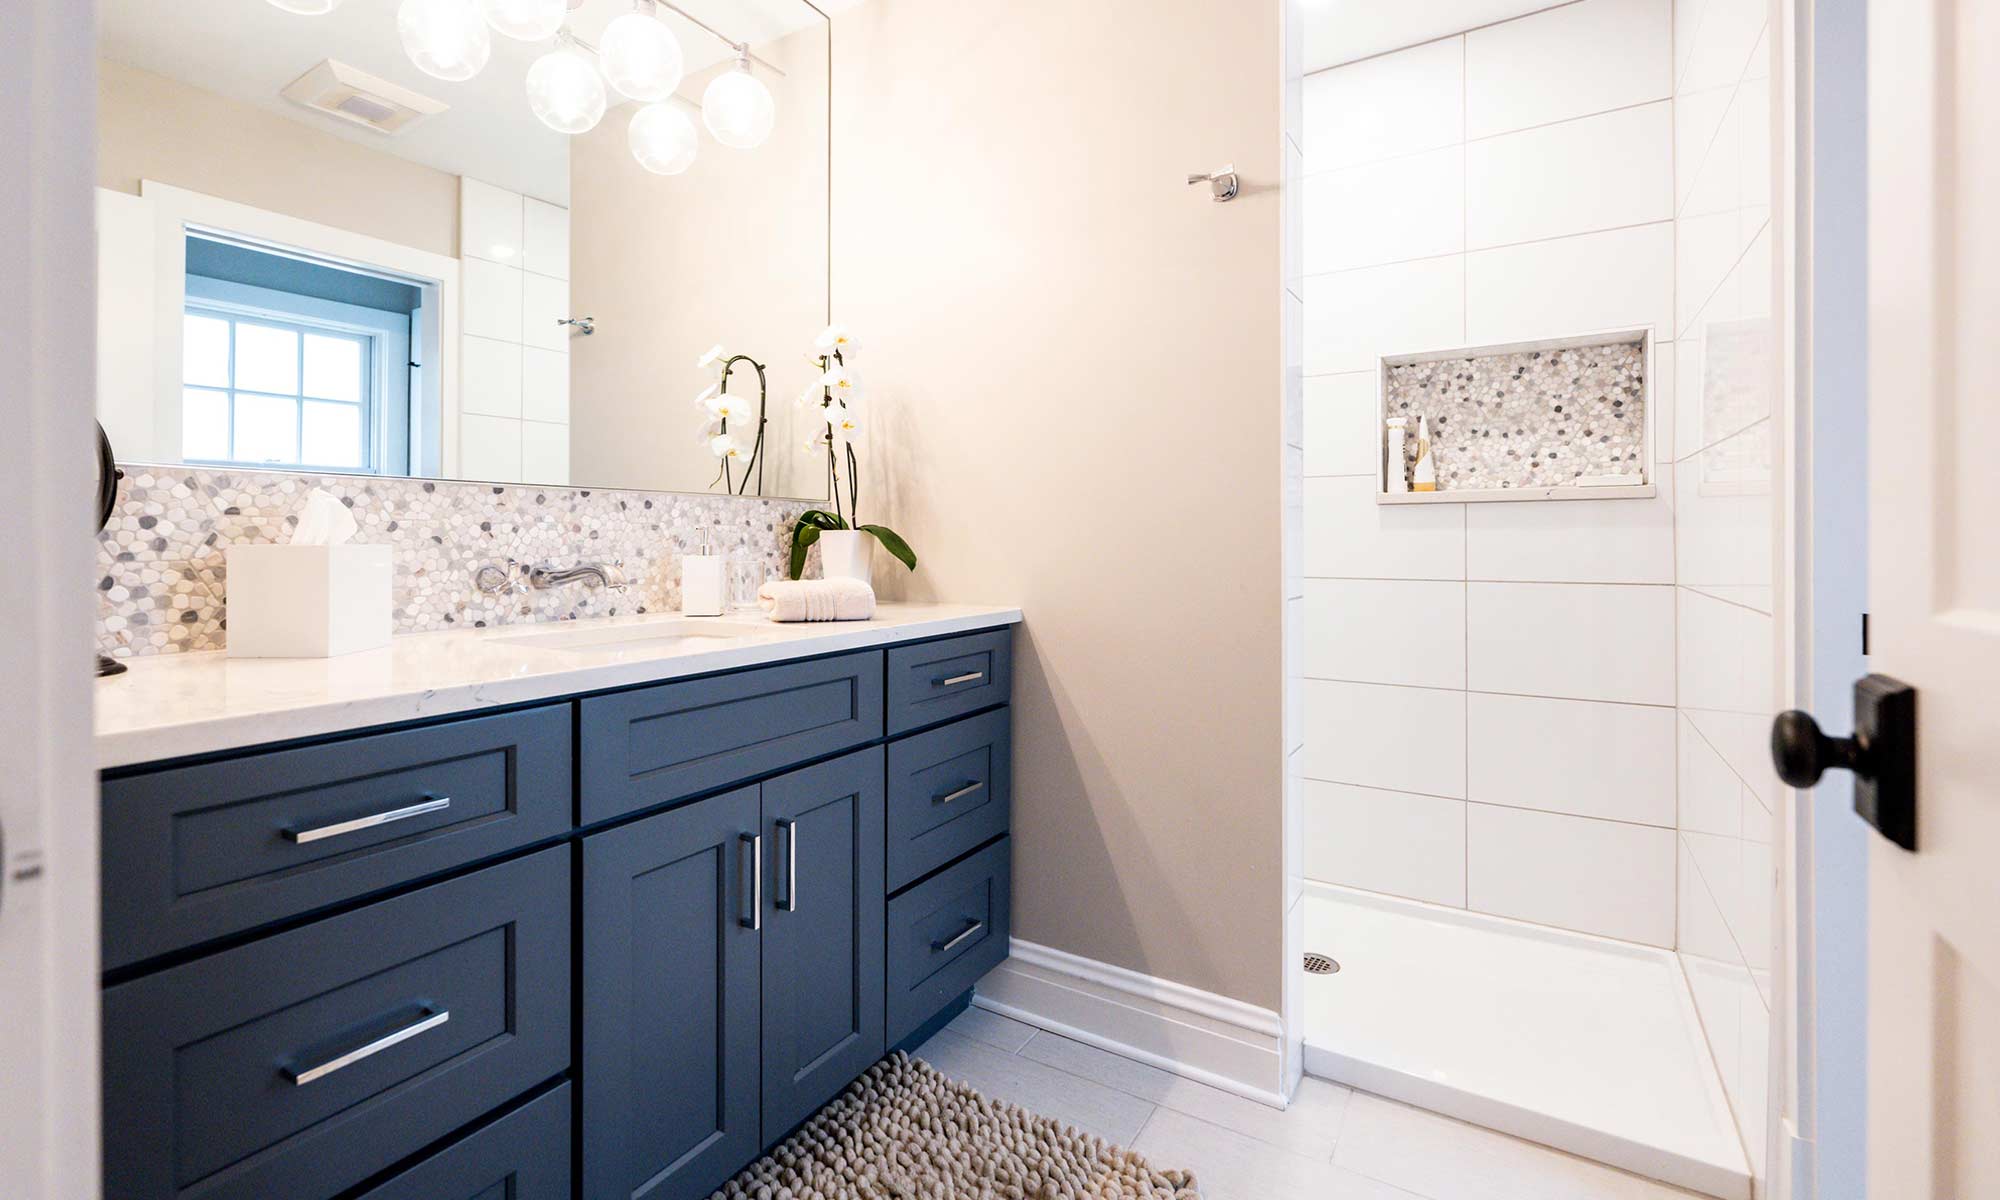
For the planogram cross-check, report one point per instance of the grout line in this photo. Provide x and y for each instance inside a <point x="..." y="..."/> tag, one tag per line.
<point x="1450" y="691"/>
<point x="1617" y="583"/>
<point x="1699" y="591"/>
<point x="1553" y="812"/>
<point x="1469" y="251"/>
<point x="1440" y="38"/>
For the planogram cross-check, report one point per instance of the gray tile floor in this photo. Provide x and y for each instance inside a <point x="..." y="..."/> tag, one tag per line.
<point x="1332" y="1144"/>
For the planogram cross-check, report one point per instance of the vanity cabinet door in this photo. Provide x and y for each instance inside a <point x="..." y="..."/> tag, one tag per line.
<point x="670" y="984"/>
<point x="824" y="982"/>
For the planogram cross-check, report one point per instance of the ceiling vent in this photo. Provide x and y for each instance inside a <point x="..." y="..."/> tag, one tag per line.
<point x="339" y="90"/>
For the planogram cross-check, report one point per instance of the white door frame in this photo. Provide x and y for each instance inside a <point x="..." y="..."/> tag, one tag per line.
<point x="49" y="1133"/>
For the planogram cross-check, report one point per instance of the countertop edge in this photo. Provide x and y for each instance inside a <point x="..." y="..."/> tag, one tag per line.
<point x="162" y="743"/>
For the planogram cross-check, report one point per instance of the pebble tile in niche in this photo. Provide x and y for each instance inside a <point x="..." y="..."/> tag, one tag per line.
<point x="161" y="582"/>
<point x="1526" y="418"/>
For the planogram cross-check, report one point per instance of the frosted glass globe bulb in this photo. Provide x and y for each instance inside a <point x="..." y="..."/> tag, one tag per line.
<point x="526" y="20"/>
<point x="447" y="39"/>
<point x="566" y="92"/>
<point x="738" y="109"/>
<point x="641" y="57"/>
<point x="663" y="138"/>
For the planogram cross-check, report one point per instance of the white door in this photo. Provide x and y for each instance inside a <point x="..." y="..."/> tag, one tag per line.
<point x="1934" y="586"/>
<point x="48" y="812"/>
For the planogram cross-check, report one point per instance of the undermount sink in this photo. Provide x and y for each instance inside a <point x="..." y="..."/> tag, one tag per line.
<point x="653" y="636"/>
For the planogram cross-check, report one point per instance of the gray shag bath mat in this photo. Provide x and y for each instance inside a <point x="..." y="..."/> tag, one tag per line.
<point x="905" y="1132"/>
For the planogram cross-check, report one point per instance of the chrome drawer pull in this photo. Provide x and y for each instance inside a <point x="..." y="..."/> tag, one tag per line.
<point x="754" y="843"/>
<point x="968" y="931"/>
<point x="434" y="804"/>
<point x="788" y="887"/>
<point x="431" y="1021"/>
<point x="960" y="794"/>
<point x="955" y="680"/>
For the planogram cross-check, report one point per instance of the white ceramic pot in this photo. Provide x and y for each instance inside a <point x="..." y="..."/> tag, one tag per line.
<point x="844" y="553"/>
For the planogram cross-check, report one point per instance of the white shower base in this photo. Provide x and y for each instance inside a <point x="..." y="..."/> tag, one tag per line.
<point x="1581" y="1043"/>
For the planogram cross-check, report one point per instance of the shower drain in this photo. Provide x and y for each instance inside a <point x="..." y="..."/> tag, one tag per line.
<point x="1320" y="964"/>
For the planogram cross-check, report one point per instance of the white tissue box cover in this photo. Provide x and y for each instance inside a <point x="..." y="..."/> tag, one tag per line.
<point x="308" y="601"/>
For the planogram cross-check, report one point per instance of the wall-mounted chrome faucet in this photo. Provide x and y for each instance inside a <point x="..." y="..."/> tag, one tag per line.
<point x="496" y="579"/>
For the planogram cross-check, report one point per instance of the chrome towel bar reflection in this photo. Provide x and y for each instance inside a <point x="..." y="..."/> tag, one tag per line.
<point x="430" y="1020"/>
<point x="434" y="804"/>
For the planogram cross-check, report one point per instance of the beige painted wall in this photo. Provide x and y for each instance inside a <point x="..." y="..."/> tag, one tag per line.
<point x="153" y="127"/>
<point x="732" y="251"/>
<point x="1074" y="370"/>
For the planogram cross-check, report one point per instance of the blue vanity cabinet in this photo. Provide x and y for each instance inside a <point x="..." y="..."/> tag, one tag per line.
<point x="823" y="934"/>
<point x="670" y="987"/>
<point x="525" y="1155"/>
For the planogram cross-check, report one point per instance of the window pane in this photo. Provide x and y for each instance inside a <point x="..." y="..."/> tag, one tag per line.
<point x="204" y="424"/>
<point x="267" y="359"/>
<point x="333" y="434"/>
<point x="333" y="368"/>
<point x="205" y="351"/>
<point x="267" y="429"/>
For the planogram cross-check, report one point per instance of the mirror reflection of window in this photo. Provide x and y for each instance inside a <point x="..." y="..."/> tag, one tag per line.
<point x="291" y="363"/>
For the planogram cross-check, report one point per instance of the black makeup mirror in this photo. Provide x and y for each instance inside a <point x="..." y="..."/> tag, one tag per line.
<point x="108" y="476"/>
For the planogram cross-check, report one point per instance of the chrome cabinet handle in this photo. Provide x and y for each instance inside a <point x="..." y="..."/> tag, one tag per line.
<point x="955" y="680"/>
<point x="434" y="804"/>
<point x="968" y="931"/>
<point x="754" y="844"/>
<point x="430" y="1020"/>
<point x="960" y="794"/>
<point x="788" y="884"/>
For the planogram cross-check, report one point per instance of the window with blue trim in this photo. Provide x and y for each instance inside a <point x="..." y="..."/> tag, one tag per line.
<point x="257" y="391"/>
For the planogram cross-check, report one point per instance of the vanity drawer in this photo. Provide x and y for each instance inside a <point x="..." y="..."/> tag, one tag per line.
<point x="659" y="744"/>
<point x="950" y="789"/>
<point x="936" y="681"/>
<point x="944" y="934"/>
<point x="195" y="853"/>
<point x="525" y="1155"/>
<point x="302" y="1064"/>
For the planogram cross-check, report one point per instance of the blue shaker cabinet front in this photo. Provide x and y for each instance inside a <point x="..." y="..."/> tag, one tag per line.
<point x="670" y="986"/>
<point x="610" y="947"/>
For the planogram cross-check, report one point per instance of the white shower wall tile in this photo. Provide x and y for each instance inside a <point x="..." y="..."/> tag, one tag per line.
<point x="162" y="580"/>
<point x="492" y="300"/>
<point x="545" y="238"/>
<point x="1340" y="425"/>
<point x="1353" y="318"/>
<point x="544" y="385"/>
<point x="1615" y="280"/>
<point x="1602" y="877"/>
<point x="1572" y="641"/>
<point x="489" y="380"/>
<point x="1401" y="631"/>
<point x="490" y="222"/>
<point x="1576" y="541"/>
<point x="1382" y="841"/>
<point x="1348" y="535"/>
<point x="1614" y="762"/>
<point x="1384" y="212"/>
<point x="1508" y="199"/>
<point x="1567" y="62"/>
<point x="1394" y="738"/>
<point x="1400" y="103"/>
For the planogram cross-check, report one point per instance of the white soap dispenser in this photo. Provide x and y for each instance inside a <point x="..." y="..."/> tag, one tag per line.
<point x="703" y="581"/>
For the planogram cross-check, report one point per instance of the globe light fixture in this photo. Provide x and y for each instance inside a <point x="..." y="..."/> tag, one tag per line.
<point x="307" y="8"/>
<point x="447" y="39"/>
<point x="565" y="89"/>
<point x="640" y="55"/>
<point x="526" y="20"/>
<point x="663" y="138"/>
<point x="737" y="107"/>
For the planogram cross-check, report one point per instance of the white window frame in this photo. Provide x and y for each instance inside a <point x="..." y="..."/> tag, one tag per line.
<point x="178" y="212"/>
<point x="370" y="403"/>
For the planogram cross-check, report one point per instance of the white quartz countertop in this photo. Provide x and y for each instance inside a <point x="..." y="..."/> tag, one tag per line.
<point x="171" y="706"/>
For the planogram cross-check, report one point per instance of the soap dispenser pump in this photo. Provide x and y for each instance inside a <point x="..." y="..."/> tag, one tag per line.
<point x="702" y="581"/>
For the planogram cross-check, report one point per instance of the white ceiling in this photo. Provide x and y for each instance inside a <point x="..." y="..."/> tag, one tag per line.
<point x="1340" y="31"/>
<point x="248" y="50"/>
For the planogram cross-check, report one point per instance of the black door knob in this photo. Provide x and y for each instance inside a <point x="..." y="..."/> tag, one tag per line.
<point x="1802" y="753"/>
<point x="1882" y="754"/>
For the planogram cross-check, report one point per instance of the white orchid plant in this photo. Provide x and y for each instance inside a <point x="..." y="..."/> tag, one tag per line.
<point x="719" y="409"/>
<point x="833" y="405"/>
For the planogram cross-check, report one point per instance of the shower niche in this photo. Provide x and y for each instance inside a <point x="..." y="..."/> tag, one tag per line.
<point x="1566" y="418"/>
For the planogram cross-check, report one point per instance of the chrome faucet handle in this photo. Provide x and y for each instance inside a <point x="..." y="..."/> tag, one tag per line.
<point x="496" y="580"/>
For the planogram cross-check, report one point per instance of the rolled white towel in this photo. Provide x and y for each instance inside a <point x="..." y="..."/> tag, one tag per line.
<point x="817" y="600"/>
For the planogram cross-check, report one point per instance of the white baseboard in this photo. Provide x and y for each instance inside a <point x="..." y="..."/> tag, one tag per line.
<point x="1208" y="1038"/>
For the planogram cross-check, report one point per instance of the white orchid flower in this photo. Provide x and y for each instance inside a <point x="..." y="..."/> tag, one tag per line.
<point x="835" y="337"/>
<point x="707" y="394"/>
<point x="725" y="445"/>
<point x="817" y="441"/>
<point x="846" y="423"/>
<point x="841" y="380"/>
<point x="816" y="394"/>
<point x="710" y="356"/>
<point x="726" y="407"/>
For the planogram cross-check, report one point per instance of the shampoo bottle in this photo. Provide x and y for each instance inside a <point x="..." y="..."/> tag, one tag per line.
<point x="1425" y="476"/>
<point x="1396" y="479"/>
<point x="703" y="581"/>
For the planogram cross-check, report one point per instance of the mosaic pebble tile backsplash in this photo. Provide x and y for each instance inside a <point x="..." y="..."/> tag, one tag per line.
<point x="162" y="585"/>
<point x="1527" y="418"/>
